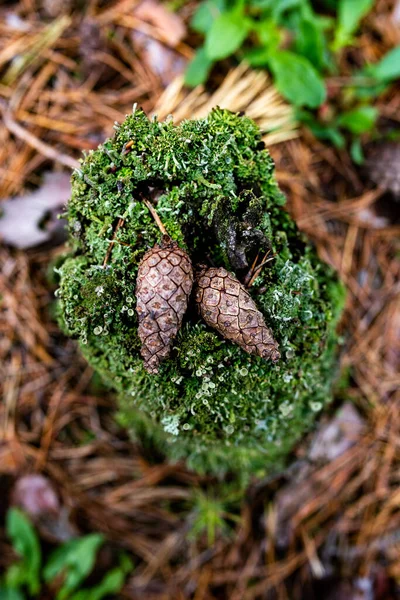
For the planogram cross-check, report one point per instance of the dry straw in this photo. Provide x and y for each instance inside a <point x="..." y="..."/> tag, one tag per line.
<point x="243" y="89"/>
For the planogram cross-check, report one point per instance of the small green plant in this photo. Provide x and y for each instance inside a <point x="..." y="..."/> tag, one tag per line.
<point x="66" y="568"/>
<point x="212" y="514"/>
<point x="299" y="46"/>
<point x="24" y="574"/>
<point x="256" y="31"/>
<point x="344" y="124"/>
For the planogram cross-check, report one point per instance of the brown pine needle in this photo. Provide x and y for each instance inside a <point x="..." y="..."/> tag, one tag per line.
<point x="34" y="142"/>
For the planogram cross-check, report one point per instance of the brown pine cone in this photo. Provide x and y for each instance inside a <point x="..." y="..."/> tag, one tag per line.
<point x="164" y="283"/>
<point x="226" y="305"/>
<point x="383" y="166"/>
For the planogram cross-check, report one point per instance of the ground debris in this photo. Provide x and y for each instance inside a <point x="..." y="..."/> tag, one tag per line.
<point x="168" y="26"/>
<point x="36" y="496"/>
<point x="382" y="166"/>
<point x="329" y="443"/>
<point x="156" y="38"/>
<point x="30" y="220"/>
<point x="337" y="436"/>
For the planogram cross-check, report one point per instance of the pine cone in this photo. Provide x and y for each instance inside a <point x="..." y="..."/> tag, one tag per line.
<point x="226" y="305"/>
<point x="383" y="166"/>
<point x="164" y="283"/>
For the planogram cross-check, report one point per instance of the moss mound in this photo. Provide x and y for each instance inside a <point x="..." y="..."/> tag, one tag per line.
<point x="213" y="186"/>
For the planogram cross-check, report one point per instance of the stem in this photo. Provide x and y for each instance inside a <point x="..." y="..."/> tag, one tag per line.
<point x="111" y="245"/>
<point x="250" y="273"/>
<point x="155" y="216"/>
<point x="260" y="266"/>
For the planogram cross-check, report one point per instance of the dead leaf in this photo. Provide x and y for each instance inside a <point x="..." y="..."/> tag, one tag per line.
<point x="36" y="495"/>
<point x="337" y="436"/>
<point x="168" y="25"/>
<point x="165" y="62"/>
<point x="396" y="13"/>
<point x="22" y="216"/>
<point x="330" y="442"/>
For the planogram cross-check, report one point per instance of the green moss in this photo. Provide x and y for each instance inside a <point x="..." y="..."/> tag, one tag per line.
<point x="213" y="182"/>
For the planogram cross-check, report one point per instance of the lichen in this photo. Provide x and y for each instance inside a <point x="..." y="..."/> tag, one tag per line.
<point x="213" y="186"/>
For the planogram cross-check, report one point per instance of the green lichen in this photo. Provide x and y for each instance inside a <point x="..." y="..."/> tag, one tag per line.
<point x="214" y="188"/>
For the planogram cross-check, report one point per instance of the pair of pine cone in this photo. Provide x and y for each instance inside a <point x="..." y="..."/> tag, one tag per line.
<point x="164" y="284"/>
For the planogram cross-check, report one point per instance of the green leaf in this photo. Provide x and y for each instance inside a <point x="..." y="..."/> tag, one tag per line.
<point x="350" y="13"/>
<point x="269" y="37"/>
<point x="198" y="69"/>
<point x="226" y="35"/>
<point x="75" y="560"/>
<point x="8" y="593"/>
<point x="356" y="151"/>
<point x="310" y="42"/>
<point x="257" y="57"/>
<point x="329" y="134"/>
<point x="388" y="68"/>
<point x="363" y="86"/>
<point x="268" y="33"/>
<point x="26" y="544"/>
<point x="297" y="80"/>
<point x="331" y="4"/>
<point x="282" y="6"/>
<point x="206" y="14"/>
<point x="322" y="131"/>
<point x="111" y="583"/>
<point x="359" y="120"/>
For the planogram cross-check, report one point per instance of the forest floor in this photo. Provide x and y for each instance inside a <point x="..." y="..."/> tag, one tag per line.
<point x="329" y="526"/>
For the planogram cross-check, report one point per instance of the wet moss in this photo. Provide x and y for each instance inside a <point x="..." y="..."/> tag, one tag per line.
<point x="213" y="405"/>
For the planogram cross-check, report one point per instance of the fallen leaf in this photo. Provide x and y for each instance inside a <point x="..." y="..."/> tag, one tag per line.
<point x="396" y="13"/>
<point x="330" y="442"/>
<point x="55" y="8"/>
<point x="14" y="21"/>
<point x="369" y="217"/>
<point x="93" y="42"/>
<point x="22" y="216"/>
<point x="36" y="496"/>
<point x="337" y="436"/>
<point x="287" y="502"/>
<point x="165" y="62"/>
<point x="169" y="26"/>
<point x="382" y="166"/>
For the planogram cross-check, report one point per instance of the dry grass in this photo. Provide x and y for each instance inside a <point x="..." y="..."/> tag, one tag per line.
<point x="243" y="89"/>
<point x="62" y="98"/>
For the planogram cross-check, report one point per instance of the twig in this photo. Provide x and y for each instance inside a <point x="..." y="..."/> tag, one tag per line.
<point x="155" y="216"/>
<point x="251" y="271"/>
<point x="111" y="245"/>
<point x="260" y="266"/>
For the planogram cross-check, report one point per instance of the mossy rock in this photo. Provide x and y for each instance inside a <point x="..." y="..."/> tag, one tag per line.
<point x="213" y="185"/>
